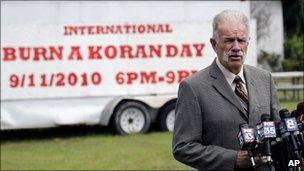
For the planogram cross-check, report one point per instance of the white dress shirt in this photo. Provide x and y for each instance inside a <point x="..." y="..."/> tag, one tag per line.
<point x="230" y="76"/>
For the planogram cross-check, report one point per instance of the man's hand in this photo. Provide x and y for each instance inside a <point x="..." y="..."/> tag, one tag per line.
<point x="243" y="160"/>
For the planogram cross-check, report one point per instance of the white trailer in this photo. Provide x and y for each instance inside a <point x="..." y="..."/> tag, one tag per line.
<point x="109" y="63"/>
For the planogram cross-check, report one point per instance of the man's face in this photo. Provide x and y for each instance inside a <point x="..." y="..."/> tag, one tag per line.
<point x="231" y="48"/>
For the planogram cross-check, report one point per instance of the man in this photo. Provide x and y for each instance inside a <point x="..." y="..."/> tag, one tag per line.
<point x="215" y="101"/>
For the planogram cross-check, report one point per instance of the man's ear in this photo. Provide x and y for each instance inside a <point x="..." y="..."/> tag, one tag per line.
<point x="213" y="43"/>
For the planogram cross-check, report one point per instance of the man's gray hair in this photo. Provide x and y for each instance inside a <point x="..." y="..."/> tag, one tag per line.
<point x="228" y="15"/>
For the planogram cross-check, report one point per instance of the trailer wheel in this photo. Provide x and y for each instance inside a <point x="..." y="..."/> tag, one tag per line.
<point x="131" y="117"/>
<point x="167" y="118"/>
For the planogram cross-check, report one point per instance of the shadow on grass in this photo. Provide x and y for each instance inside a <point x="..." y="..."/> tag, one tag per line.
<point x="61" y="132"/>
<point x="51" y="133"/>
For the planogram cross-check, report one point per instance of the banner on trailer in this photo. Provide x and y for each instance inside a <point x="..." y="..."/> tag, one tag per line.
<point x="74" y="60"/>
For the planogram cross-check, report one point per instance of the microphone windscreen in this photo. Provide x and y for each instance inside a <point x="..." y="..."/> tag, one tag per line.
<point x="300" y="108"/>
<point x="294" y="113"/>
<point x="265" y="117"/>
<point x="243" y="125"/>
<point x="284" y="113"/>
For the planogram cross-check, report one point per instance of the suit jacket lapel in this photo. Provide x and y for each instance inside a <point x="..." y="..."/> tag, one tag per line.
<point x="252" y="95"/>
<point x="221" y="85"/>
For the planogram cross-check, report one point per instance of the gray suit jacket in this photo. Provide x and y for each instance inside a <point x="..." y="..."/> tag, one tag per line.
<point x="208" y="115"/>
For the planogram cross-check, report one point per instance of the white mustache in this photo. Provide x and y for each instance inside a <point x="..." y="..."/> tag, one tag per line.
<point x="240" y="53"/>
<point x="231" y="53"/>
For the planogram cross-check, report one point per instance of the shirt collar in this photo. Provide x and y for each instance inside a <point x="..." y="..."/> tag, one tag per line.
<point x="229" y="75"/>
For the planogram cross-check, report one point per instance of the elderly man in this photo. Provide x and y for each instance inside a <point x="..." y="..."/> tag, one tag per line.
<point x="215" y="101"/>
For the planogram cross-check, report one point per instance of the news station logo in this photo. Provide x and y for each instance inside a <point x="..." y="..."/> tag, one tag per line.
<point x="291" y="124"/>
<point x="246" y="135"/>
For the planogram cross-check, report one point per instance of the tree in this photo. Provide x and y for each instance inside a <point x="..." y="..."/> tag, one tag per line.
<point x="293" y="25"/>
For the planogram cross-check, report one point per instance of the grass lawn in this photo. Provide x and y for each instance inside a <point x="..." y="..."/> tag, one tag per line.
<point x="90" y="151"/>
<point x="289" y="105"/>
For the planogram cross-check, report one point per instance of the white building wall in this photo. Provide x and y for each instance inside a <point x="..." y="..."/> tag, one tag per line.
<point x="115" y="11"/>
<point x="270" y="33"/>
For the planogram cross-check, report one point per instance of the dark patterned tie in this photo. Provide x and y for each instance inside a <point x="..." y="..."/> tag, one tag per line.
<point x="240" y="92"/>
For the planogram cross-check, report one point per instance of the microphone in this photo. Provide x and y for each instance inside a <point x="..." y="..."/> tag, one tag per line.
<point x="246" y="139"/>
<point x="300" y="108"/>
<point x="266" y="132"/>
<point x="299" y="112"/>
<point x="279" y="147"/>
<point x="289" y="131"/>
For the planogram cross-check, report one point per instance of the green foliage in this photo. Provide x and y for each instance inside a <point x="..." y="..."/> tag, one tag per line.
<point x="294" y="55"/>
<point x="294" y="47"/>
<point x="293" y="27"/>
<point x="293" y="17"/>
<point x="292" y="65"/>
<point x="271" y="59"/>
